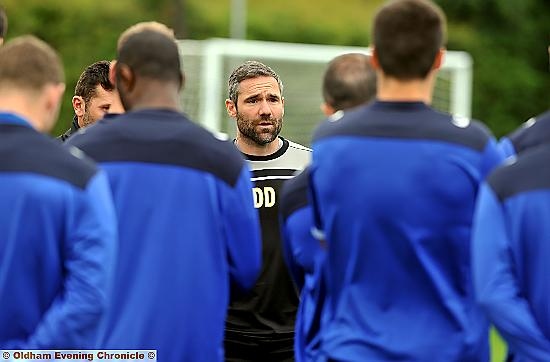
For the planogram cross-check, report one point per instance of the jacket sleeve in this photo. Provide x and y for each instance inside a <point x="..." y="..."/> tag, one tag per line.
<point x="317" y="229"/>
<point x="242" y="231"/>
<point x="293" y="235"/>
<point x="296" y="220"/>
<point x="493" y="156"/>
<point x="495" y="282"/>
<point x="90" y="245"/>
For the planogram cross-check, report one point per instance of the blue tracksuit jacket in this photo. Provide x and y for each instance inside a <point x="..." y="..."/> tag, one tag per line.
<point x="57" y="242"/>
<point x="394" y="187"/>
<point x="188" y="232"/>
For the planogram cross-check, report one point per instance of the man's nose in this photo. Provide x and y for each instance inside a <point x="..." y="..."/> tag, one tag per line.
<point x="264" y="107"/>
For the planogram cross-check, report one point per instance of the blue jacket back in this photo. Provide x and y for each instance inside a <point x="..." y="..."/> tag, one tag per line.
<point x="511" y="252"/>
<point x="57" y="242"/>
<point x="188" y="232"/>
<point x="393" y="188"/>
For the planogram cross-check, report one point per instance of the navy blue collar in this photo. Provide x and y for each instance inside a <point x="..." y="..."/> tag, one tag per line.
<point x="12" y="118"/>
<point x="399" y="105"/>
<point x="76" y="126"/>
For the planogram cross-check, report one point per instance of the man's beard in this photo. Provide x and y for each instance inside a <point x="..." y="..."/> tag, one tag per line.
<point x="247" y="127"/>
<point x="86" y="119"/>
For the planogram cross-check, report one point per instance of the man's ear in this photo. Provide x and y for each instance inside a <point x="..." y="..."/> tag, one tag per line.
<point x="79" y="106"/>
<point x="112" y="73"/>
<point x="439" y="57"/>
<point x="57" y="95"/>
<point x="374" y="59"/>
<point x="231" y="108"/>
<point x="327" y="109"/>
<point x="125" y="77"/>
<point x="182" y="81"/>
<point x="52" y="97"/>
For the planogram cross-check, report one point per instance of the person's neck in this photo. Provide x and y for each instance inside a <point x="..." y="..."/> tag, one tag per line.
<point x="395" y="90"/>
<point x="249" y="147"/>
<point x="23" y="108"/>
<point x="156" y="95"/>
<point x="156" y="102"/>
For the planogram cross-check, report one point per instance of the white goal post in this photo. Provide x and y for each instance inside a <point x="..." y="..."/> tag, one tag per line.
<point x="208" y="63"/>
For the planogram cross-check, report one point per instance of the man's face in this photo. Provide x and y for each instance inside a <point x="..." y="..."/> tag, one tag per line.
<point x="98" y="106"/>
<point x="259" y="110"/>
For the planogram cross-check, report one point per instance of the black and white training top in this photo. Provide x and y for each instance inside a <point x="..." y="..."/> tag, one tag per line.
<point x="271" y="306"/>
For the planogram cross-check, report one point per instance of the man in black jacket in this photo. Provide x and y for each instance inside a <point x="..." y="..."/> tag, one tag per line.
<point x="94" y="96"/>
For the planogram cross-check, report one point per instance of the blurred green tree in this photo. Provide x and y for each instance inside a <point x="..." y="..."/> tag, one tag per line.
<point x="508" y="41"/>
<point x="82" y="31"/>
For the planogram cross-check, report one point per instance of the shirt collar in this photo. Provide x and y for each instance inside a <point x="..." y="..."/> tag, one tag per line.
<point x="75" y="122"/>
<point x="12" y="118"/>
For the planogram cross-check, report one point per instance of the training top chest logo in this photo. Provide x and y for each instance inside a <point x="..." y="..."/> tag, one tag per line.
<point x="264" y="197"/>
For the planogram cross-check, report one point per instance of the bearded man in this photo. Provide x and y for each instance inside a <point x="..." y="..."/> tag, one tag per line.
<point x="260" y="325"/>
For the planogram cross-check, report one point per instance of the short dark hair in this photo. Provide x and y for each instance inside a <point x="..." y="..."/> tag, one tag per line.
<point x="247" y="70"/>
<point x="407" y="36"/>
<point x="29" y="63"/>
<point x="151" y="54"/>
<point x="349" y="81"/>
<point x="94" y="75"/>
<point x="3" y="23"/>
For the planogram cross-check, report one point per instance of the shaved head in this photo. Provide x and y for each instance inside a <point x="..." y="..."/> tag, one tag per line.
<point x="144" y="26"/>
<point x="151" y="54"/>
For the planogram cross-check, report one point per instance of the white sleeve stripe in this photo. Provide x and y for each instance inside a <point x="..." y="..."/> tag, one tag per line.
<point x="317" y="233"/>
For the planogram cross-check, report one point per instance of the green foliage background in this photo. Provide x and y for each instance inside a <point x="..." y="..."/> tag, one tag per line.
<point x="82" y="31"/>
<point x="508" y="40"/>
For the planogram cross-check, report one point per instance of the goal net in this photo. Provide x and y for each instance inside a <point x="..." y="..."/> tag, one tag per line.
<point x="208" y="63"/>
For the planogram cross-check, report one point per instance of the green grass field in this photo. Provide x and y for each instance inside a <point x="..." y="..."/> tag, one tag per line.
<point x="498" y="347"/>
